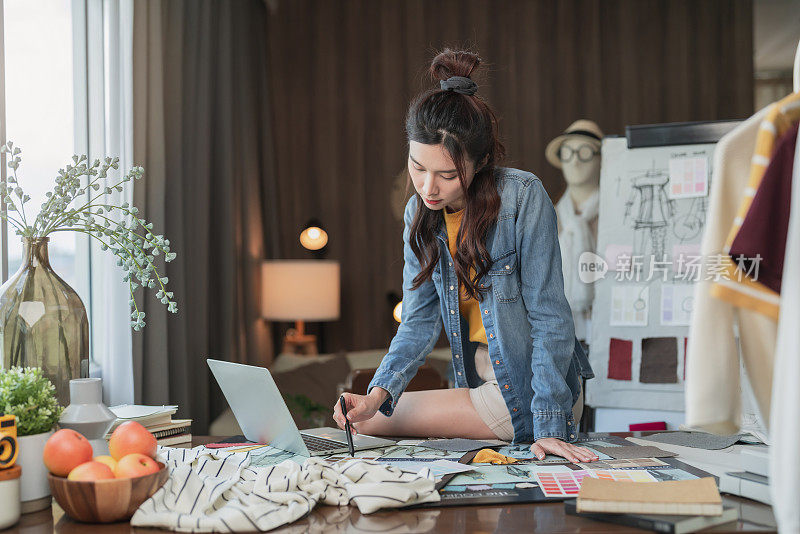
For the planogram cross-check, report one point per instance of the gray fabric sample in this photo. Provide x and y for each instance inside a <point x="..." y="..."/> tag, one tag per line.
<point x="634" y="451"/>
<point x="698" y="440"/>
<point x="457" y="444"/>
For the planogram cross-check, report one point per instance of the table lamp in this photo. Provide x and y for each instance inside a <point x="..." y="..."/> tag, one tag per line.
<point x="300" y="290"/>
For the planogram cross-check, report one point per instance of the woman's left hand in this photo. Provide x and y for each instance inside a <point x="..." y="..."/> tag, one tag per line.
<point x="571" y="452"/>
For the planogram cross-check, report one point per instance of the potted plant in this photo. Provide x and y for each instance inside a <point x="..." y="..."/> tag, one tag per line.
<point x="43" y="322"/>
<point x="28" y="395"/>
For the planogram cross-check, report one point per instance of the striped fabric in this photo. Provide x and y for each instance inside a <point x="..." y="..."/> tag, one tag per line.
<point x="733" y="285"/>
<point x="217" y="491"/>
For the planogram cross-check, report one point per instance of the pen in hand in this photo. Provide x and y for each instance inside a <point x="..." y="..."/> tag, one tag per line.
<point x="347" y="429"/>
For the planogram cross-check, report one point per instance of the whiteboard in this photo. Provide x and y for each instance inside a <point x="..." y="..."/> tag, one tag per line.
<point x="653" y="204"/>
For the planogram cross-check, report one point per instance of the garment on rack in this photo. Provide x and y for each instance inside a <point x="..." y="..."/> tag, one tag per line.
<point x="760" y="245"/>
<point x="784" y="461"/>
<point x="713" y="393"/>
<point x="576" y="235"/>
<point x="733" y="287"/>
<point x="218" y="491"/>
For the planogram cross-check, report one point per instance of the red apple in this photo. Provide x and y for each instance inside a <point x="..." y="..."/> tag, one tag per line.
<point x="135" y="465"/>
<point x="131" y="437"/>
<point x="91" y="471"/>
<point x="66" y="450"/>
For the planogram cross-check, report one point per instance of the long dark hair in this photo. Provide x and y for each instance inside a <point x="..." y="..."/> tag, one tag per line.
<point x="467" y="128"/>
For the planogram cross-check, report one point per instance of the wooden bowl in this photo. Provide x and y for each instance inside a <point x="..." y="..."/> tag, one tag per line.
<point x="105" y="501"/>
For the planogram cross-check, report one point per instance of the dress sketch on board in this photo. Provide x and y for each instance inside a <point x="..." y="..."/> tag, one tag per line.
<point x="654" y="213"/>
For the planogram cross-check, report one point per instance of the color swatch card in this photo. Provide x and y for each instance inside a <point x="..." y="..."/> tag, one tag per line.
<point x="688" y="177"/>
<point x="629" y="305"/>
<point x="677" y="302"/>
<point x="564" y="484"/>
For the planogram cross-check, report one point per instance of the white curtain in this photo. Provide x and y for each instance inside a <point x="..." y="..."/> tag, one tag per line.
<point x="103" y="34"/>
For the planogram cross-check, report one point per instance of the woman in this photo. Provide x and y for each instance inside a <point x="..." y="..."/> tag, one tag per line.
<point x="480" y="242"/>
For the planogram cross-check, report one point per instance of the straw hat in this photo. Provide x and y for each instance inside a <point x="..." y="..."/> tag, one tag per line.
<point x="583" y="128"/>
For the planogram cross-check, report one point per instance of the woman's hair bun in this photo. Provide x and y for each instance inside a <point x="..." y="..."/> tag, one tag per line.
<point x="449" y="63"/>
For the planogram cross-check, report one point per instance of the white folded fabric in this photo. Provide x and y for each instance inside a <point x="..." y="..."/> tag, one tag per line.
<point x="217" y="491"/>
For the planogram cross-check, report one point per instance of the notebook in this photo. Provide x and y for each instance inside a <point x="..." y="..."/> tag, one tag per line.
<point x="672" y="524"/>
<point x="679" y="497"/>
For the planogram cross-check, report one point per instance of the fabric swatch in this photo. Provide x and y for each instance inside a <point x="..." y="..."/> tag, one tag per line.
<point x="457" y="444"/>
<point x="620" y="353"/>
<point x="634" y="451"/>
<point x="698" y="440"/>
<point x="659" y="360"/>
<point x="488" y="456"/>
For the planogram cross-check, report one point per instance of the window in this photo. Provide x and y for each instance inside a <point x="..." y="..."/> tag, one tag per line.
<point x="65" y="88"/>
<point x="39" y="116"/>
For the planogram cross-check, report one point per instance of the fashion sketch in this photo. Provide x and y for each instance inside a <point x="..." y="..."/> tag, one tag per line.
<point x="650" y="211"/>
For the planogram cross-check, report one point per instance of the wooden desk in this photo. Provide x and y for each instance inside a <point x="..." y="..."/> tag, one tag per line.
<point x="541" y="517"/>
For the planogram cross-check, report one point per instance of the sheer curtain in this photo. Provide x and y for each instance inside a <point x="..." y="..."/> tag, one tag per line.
<point x="103" y="63"/>
<point x="202" y="131"/>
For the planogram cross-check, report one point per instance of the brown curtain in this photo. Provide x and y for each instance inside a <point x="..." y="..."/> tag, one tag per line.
<point x="343" y="73"/>
<point x="202" y="131"/>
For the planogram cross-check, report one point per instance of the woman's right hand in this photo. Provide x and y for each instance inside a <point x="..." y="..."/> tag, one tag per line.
<point x="359" y="407"/>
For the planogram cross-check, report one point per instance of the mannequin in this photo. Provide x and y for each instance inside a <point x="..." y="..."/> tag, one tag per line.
<point x="577" y="154"/>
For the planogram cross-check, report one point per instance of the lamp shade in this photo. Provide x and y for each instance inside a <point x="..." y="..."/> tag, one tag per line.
<point x="306" y="290"/>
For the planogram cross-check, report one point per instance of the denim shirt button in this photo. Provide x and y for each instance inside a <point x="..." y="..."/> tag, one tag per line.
<point x="497" y="362"/>
<point x="459" y="373"/>
<point x="572" y="436"/>
<point x="491" y="336"/>
<point x="452" y="312"/>
<point x="455" y="334"/>
<point x="451" y="288"/>
<point x="506" y="386"/>
<point x="514" y="410"/>
<point x="456" y="356"/>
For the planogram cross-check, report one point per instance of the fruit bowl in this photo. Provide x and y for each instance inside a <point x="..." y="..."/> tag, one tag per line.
<point x="105" y="501"/>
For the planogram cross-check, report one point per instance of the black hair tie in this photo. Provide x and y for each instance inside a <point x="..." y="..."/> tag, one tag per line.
<point x="460" y="85"/>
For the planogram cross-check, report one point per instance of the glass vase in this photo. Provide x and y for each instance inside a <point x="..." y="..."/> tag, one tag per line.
<point x="43" y="322"/>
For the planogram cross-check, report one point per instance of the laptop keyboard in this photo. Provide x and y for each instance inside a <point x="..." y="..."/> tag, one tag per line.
<point x="316" y="444"/>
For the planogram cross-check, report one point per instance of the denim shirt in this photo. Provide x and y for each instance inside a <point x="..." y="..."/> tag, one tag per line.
<point x="537" y="360"/>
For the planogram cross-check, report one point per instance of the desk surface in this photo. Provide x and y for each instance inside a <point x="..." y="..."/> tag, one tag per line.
<point x="540" y="517"/>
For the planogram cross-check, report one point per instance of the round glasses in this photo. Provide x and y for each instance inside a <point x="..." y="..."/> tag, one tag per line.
<point x="585" y="153"/>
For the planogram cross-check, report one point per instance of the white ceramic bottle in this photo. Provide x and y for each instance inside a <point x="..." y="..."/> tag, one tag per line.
<point x="87" y="414"/>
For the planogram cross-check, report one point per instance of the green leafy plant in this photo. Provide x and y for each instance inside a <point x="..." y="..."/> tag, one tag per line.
<point x="31" y="397"/>
<point x="78" y="203"/>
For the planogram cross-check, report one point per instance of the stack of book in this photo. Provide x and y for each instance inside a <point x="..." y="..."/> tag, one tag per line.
<point x="158" y="420"/>
<point x="753" y="482"/>
<point x="673" y="506"/>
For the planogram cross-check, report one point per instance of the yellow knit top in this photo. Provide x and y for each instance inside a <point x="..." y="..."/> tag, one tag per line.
<point x="468" y="306"/>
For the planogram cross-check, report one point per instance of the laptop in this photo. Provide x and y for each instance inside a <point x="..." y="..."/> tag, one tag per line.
<point x="263" y="416"/>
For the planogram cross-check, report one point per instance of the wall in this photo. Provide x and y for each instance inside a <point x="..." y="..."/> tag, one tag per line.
<point x="343" y="73"/>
